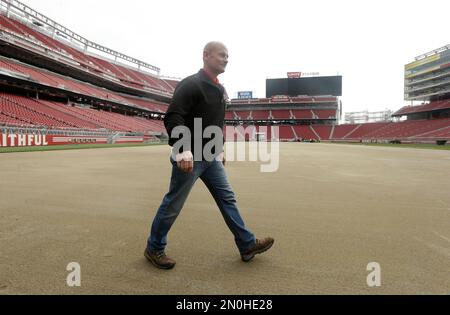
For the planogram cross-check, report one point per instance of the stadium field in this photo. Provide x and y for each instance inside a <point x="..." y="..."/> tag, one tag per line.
<point x="333" y="209"/>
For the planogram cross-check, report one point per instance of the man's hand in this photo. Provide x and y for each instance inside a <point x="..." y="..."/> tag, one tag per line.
<point x="221" y="157"/>
<point x="185" y="161"/>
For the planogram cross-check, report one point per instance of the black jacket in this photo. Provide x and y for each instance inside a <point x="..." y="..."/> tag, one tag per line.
<point x="197" y="96"/>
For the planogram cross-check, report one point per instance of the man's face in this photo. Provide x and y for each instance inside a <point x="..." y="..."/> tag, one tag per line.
<point x="216" y="59"/>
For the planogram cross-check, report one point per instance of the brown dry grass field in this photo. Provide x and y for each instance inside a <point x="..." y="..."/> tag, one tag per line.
<point x="332" y="209"/>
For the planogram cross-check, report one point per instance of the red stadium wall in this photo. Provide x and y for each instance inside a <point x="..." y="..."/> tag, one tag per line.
<point x="28" y="140"/>
<point x="23" y="140"/>
<point x="64" y="140"/>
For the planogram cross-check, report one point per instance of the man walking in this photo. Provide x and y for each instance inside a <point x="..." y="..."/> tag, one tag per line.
<point x="199" y="97"/>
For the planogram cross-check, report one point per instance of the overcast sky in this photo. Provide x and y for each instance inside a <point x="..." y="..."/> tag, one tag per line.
<point x="367" y="42"/>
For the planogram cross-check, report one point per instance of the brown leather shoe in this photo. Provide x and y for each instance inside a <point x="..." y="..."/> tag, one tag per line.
<point x="159" y="259"/>
<point x="260" y="247"/>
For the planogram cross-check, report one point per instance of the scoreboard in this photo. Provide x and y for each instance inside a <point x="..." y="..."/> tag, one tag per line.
<point x="313" y="86"/>
<point x="244" y="95"/>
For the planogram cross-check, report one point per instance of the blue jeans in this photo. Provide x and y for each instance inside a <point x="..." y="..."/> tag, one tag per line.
<point x="181" y="183"/>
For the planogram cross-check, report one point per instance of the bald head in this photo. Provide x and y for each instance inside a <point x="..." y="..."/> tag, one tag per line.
<point x="211" y="46"/>
<point x="215" y="57"/>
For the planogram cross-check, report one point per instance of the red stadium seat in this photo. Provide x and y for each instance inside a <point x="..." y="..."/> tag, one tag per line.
<point x="281" y="114"/>
<point x="260" y="114"/>
<point x="324" y="131"/>
<point x="15" y="110"/>
<point x="132" y="77"/>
